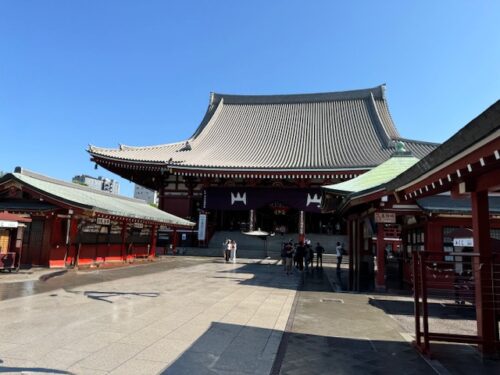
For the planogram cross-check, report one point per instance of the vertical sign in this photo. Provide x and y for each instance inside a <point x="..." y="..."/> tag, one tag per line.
<point x="302" y="224"/>
<point x="202" y="226"/>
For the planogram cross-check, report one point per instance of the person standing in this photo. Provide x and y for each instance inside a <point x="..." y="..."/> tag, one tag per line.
<point x="234" y="246"/>
<point x="319" y="255"/>
<point x="227" y="253"/>
<point x="301" y="251"/>
<point x="338" y="251"/>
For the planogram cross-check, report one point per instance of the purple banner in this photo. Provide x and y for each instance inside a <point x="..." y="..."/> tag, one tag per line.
<point x="234" y="198"/>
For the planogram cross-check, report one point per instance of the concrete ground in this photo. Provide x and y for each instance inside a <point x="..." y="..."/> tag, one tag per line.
<point x="341" y="333"/>
<point x="193" y="315"/>
<point x="196" y="316"/>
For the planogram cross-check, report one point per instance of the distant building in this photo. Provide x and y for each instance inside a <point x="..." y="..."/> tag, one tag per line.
<point x="148" y="195"/>
<point x="99" y="183"/>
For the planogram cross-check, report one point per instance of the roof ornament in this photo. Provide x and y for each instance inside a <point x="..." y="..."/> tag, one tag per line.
<point x="400" y="146"/>
<point x="401" y="149"/>
<point x="186" y="147"/>
<point x="120" y="146"/>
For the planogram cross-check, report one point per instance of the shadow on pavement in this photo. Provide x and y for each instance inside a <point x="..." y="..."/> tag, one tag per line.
<point x="32" y="370"/>
<point x="436" y="310"/>
<point x="264" y="275"/>
<point x="103" y="296"/>
<point x="72" y="280"/>
<point x="235" y="349"/>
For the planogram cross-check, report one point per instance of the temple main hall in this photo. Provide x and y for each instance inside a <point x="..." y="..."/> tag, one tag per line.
<point x="258" y="161"/>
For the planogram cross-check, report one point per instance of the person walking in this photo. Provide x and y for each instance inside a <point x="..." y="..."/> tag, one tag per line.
<point x="319" y="255"/>
<point x="338" y="251"/>
<point x="234" y="246"/>
<point x="227" y="252"/>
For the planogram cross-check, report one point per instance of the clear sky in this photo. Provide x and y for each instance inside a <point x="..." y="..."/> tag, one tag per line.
<point x="74" y="73"/>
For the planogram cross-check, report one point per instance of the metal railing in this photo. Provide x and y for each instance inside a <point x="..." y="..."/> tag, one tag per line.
<point x="451" y="279"/>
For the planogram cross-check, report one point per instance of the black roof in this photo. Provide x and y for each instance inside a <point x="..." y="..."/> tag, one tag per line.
<point x="446" y="204"/>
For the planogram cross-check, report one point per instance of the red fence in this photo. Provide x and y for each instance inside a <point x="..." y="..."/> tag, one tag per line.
<point x="452" y="279"/>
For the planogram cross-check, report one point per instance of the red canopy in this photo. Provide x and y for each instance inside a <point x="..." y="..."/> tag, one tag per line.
<point x="12" y="217"/>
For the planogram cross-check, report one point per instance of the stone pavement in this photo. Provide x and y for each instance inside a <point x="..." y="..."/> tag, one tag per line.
<point x="341" y="333"/>
<point x="203" y="318"/>
<point x="193" y="315"/>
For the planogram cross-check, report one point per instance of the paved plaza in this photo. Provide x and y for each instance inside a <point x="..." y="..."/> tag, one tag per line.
<point x="204" y="316"/>
<point x="188" y="315"/>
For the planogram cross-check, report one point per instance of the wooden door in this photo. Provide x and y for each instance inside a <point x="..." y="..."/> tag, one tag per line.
<point x="32" y="252"/>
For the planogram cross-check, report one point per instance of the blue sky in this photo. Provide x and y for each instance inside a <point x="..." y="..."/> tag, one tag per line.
<point x="74" y="73"/>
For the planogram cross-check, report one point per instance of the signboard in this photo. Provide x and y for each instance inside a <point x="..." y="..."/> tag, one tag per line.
<point x="463" y="242"/>
<point x="139" y="225"/>
<point x="184" y="237"/>
<point x="385" y="217"/>
<point x="202" y="227"/>
<point x="245" y="198"/>
<point x="8" y="224"/>
<point x="103" y="221"/>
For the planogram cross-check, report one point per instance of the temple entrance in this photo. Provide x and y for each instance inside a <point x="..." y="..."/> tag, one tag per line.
<point x="277" y="219"/>
<point x="232" y="220"/>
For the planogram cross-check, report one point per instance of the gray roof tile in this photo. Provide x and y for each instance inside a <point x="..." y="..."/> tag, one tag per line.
<point x="327" y="131"/>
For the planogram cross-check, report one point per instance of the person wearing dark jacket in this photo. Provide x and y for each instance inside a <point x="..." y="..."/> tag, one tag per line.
<point x="319" y="255"/>
<point x="300" y="253"/>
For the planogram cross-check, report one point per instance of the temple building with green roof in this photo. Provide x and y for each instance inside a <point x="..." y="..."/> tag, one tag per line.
<point x="74" y="225"/>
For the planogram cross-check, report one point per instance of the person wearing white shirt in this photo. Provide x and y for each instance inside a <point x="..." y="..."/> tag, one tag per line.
<point x="338" y="251"/>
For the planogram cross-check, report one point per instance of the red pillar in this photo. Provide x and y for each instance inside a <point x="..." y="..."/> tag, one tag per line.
<point x="350" y="224"/>
<point x="124" y="245"/>
<point x="152" y="250"/>
<point x="486" y="325"/>
<point x="380" y="278"/>
<point x="359" y="251"/>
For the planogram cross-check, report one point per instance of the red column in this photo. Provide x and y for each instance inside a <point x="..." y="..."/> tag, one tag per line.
<point x="350" y="224"/>
<point x="486" y="325"/>
<point x="152" y="250"/>
<point x="358" y="250"/>
<point x="124" y="245"/>
<point x="380" y="279"/>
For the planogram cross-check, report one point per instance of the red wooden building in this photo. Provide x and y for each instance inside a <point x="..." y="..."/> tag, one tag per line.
<point x="259" y="161"/>
<point x="430" y="204"/>
<point x="73" y="225"/>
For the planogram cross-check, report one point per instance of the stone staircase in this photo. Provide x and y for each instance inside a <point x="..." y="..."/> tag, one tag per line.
<point x="255" y="248"/>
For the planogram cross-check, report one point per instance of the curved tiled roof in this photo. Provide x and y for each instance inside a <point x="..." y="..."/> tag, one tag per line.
<point x="95" y="200"/>
<point x="375" y="177"/>
<point x="327" y="131"/>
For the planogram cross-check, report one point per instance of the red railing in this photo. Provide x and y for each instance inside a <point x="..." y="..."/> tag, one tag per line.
<point x="452" y="279"/>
